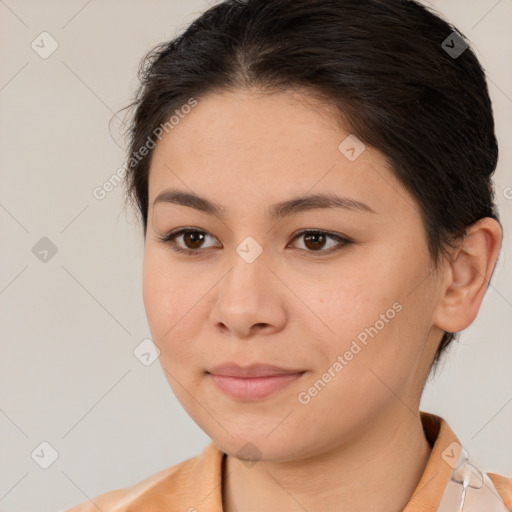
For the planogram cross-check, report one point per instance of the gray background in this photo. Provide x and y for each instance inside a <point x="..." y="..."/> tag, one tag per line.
<point x="69" y="326"/>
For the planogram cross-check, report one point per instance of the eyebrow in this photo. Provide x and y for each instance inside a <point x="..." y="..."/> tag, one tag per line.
<point x="276" y="211"/>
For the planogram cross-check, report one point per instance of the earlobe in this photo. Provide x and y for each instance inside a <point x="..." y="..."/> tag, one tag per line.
<point x="468" y="276"/>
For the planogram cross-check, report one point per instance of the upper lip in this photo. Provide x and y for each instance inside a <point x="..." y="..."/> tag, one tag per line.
<point x="253" y="370"/>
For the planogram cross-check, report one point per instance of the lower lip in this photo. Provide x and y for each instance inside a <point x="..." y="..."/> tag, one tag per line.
<point x="254" y="388"/>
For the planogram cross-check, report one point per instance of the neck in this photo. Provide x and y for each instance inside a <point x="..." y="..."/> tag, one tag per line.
<point x="387" y="459"/>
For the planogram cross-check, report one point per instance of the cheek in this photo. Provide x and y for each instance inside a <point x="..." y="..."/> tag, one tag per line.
<point x="172" y="319"/>
<point x="350" y="301"/>
<point x="384" y="311"/>
<point x="177" y="300"/>
<point x="157" y="288"/>
<point x="169" y="298"/>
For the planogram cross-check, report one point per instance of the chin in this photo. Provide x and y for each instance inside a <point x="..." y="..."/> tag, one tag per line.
<point x="252" y="445"/>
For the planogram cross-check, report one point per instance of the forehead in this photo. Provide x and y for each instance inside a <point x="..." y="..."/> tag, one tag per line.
<point x="247" y="146"/>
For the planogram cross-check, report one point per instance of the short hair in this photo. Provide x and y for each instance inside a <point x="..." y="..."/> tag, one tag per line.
<point x="402" y="79"/>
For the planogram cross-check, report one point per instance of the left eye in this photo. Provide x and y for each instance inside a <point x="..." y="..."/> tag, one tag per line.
<point x="314" y="241"/>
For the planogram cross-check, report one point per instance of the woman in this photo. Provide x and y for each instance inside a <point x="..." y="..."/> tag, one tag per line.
<point x="314" y="183"/>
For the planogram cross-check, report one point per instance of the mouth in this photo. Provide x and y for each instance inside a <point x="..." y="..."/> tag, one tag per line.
<point x="253" y="382"/>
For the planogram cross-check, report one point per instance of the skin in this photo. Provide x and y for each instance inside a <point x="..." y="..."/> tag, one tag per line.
<point x="298" y="308"/>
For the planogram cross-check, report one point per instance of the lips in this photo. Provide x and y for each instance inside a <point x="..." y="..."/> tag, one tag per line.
<point x="253" y="382"/>
<point x="254" y="370"/>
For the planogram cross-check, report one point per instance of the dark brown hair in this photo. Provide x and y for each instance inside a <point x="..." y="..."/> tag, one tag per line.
<point x="386" y="66"/>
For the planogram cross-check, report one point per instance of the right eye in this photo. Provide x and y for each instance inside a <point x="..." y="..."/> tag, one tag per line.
<point x="191" y="243"/>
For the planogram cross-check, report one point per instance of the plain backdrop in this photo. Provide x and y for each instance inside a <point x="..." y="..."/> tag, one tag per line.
<point x="70" y="324"/>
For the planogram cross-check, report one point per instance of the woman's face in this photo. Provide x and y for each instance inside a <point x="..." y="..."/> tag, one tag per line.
<point x="353" y="323"/>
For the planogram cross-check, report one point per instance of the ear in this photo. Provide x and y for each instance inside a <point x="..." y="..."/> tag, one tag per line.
<point x="468" y="275"/>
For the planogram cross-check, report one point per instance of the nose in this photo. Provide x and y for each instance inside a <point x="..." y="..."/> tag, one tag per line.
<point x="250" y="300"/>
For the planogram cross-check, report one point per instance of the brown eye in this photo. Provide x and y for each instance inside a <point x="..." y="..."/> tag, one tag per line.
<point x="314" y="241"/>
<point x="193" y="239"/>
<point x="321" y="242"/>
<point x="188" y="241"/>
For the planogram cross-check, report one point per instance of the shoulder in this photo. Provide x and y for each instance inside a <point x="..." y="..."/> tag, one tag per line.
<point x="450" y="466"/>
<point x="117" y="500"/>
<point x="504" y="487"/>
<point x="170" y="485"/>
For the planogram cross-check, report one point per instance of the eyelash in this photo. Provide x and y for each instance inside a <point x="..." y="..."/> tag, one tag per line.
<point x="169" y="239"/>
